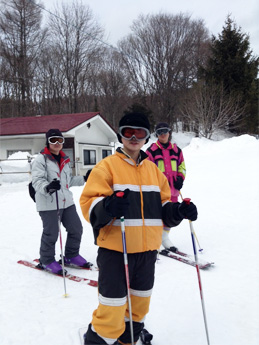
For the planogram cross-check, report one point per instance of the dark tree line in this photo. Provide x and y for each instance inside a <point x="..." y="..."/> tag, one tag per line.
<point x="168" y="66"/>
<point x="233" y="68"/>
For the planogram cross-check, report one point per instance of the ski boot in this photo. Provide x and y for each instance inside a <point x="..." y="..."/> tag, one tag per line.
<point x="166" y="243"/>
<point x="77" y="262"/>
<point x="54" y="267"/>
<point x="146" y="337"/>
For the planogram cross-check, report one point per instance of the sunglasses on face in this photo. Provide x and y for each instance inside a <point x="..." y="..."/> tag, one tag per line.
<point x="130" y="132"/>
<point x="161" y="131"/>
<point x="56" y="140"/>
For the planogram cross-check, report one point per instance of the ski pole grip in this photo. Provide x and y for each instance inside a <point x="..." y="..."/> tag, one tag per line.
<point x="120" y="194"/>
<point x="187" y="201"/>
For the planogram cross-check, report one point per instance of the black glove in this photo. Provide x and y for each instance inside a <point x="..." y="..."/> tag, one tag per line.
<point x="178" y="183"/>
<point x="53" y="186"/>
<point x="117" y="206"/>
<point x="87" y="174"/>
<point x="188" y="211"/>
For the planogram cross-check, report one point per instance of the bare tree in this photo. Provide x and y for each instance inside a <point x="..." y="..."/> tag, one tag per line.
<point x="52" y="86"/>
<point x="112" y="86"/>
<point x="162" y="56"/>
<point x="21" y="40"/>
<point x="209" y="107"/>
<point x="76" y="40"/>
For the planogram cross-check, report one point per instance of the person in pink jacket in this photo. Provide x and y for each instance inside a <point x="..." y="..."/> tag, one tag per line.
<point x="169" y="159"/>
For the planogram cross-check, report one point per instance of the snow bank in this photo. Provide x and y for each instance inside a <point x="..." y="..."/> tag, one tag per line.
<point x="16" y="168"/>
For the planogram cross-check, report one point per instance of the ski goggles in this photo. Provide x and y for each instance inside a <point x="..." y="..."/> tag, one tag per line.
<point x="56" y="140"/>
<point x="130" y="132"/>
<point x="161" y="131"/>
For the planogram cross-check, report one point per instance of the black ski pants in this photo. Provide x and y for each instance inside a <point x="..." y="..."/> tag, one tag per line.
<point x="111" y="319"/>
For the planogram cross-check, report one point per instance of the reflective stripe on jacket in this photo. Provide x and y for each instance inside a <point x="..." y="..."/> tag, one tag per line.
<point x="170" y="161"/>
<point x="149" y="193"/>
<point x="45" y="169"/>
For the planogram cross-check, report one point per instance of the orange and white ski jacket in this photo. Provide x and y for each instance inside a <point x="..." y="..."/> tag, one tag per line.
<point x="149" y="198"/>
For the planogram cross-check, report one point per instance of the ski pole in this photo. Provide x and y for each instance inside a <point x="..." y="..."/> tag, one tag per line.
<point x="120" y="195"/>
<point x="61" y="247"/>
<point x="200" y="249"/>
<point x="187" y="201"/>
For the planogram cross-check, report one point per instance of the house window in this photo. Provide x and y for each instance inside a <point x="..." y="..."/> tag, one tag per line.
<point x="89" y="157"/>
<point x="106" y="153"/>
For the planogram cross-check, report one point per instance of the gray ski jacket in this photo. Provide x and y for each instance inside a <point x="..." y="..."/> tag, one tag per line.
<point x="45" y="169"/>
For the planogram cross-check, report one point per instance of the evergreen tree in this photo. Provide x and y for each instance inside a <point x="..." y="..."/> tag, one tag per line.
<point x="232" y="65"/>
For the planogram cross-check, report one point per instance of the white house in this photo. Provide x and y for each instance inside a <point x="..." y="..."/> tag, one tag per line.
<point x="88" y="137"/>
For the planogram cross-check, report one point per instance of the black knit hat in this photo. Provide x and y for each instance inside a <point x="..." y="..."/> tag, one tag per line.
<point x="162" y="125"/>
<point x="53" y="132"/>
<point x="134" y="119"/>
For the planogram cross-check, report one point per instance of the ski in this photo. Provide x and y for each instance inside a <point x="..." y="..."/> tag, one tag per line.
<point x="176" y="251"/>
<point x="179" y="253"/>
<point x="90" y="282"/>
<point x="185" y="258"/>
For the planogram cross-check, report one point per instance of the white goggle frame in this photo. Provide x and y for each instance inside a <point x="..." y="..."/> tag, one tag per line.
<point x="133" y="136"/>
<point x="56" y="142"/>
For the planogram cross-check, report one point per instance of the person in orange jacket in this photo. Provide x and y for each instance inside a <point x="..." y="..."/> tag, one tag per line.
<point x="146" y="205"/>
<point x="169" y="159"/>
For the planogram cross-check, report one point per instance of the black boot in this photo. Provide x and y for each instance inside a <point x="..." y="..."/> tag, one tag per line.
<point x="146" y="337"/>
<point x="92" y="338"/>
<point x="125" y="338"/>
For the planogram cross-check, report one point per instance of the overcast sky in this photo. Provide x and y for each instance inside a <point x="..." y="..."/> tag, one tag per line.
<point x="116" y="16"/>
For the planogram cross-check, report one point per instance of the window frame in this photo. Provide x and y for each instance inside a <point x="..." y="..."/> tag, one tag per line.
<point x="89" y="162"/>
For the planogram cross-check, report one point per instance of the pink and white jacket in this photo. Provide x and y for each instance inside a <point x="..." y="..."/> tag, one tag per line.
<point x="170" y="161"/>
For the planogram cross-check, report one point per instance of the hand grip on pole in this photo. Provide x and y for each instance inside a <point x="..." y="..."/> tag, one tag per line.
<point x="187" y="201"/>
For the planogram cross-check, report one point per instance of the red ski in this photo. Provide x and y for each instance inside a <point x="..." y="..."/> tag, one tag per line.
<point x="90" y="282"/>
<point x="185" y="258"/>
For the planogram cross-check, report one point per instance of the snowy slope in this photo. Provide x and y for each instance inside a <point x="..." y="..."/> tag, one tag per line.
<point x="222" y="180"/>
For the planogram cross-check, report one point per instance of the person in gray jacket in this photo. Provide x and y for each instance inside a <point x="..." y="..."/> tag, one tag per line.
<point x="51" y="173"/>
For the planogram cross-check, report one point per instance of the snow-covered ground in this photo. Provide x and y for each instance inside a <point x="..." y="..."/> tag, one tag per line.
<point x="222" y="180"/>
